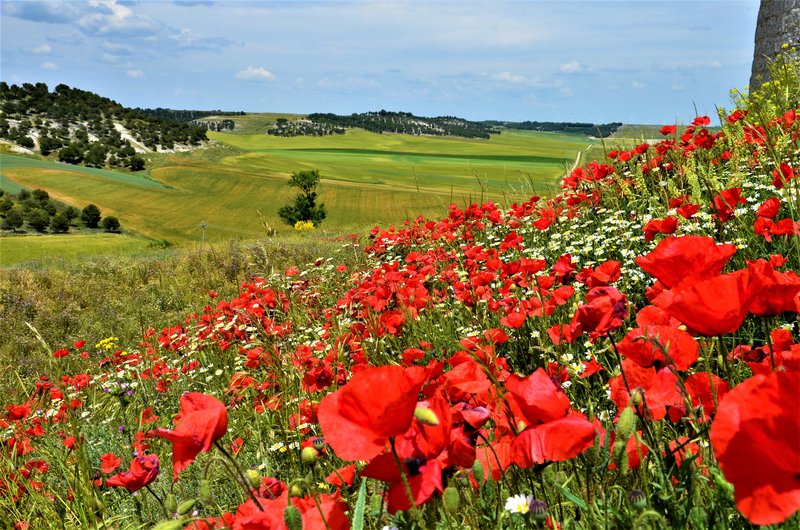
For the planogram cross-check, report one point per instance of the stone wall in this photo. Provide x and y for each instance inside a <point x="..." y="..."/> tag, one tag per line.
<point x="778" y="24"/>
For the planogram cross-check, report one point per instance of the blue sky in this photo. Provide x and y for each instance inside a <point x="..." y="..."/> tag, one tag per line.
<point x="595" y="61"/>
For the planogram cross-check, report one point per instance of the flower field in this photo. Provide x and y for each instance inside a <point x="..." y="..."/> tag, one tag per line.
<point x="621" y="355"/>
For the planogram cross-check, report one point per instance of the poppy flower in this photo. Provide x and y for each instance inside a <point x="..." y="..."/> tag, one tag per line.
<point x="605" y="310"/>
<point x="109" y="462"/>
<point x="773" y="292"/>
<point x="725" y="202"/>
<point x="677" y="259"/>
<point x="782" y="175"/>
<point x="375" y="405"/>
<point x="714" y="306"/>
<point x="143" y="471"/>
<point x="659" y="387"/>
<point x="666" y="130"/>
<point x="667" y="225"/>
<point x="659" y="346"/>
<point x="203" y="420"/>
<point x="756" y="440"/>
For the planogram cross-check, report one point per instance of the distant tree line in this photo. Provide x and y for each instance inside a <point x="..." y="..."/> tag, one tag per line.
<point x="41" y="212"/>
<point x="79" y="127"/>
<point x="185" y="115"/>
<point x="589" y="129"/>
<point x="406" y="123"/>
<point x="303" y="127"/>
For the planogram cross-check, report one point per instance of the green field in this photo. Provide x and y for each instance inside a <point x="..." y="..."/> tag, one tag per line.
<point x="19" y="249"/>
<point x="237" y="185"/>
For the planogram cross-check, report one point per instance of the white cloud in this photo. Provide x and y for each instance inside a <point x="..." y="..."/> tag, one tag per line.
<point x="253" y="73"/>
<point x="512" y="78"/>
<point x="135" y="74"/>
<point x="571" y="67"/>
<point x="637" y="85"/>
<point x="348" y="84"/>
<point x="44" y="49"/>
<point x="49" y="66"/>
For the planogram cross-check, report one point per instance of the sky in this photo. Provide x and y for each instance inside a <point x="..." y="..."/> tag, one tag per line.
<point x="598" y="61"/>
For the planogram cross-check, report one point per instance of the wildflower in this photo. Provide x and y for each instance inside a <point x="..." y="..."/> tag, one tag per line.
<point x="756" y="440"/>
<point x="143" y="471"/>
<point x="203" y="420"/>
<point x="519" y="503"/>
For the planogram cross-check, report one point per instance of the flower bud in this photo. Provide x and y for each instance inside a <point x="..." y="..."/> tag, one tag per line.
<point x="205" y="492"/>
<point x="450" y="499"/>
<point x="637" y="396"/>
<point x="626" y="425"/>
<point x="426" y="416"/>
<point x="293" y="518"/>
<point x="253" y="478"/>
<point x="637" y="498"/>
<point x="309" y="455"/>
<point x="186" y="506"/>
<point x="538" y="510"/>
<point x="171" y="503"/>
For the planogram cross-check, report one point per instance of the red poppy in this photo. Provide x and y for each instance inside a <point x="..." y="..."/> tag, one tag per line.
<point x="375" y="405"/>
<point x="659" y="346"/>
<point x="710" y="307"/>
<point x="756" y="439"/>
<point x="782" y="175"/>
<point x="143" y="471"/>
<point x="773" y="292"/>
<point x="552" y="432"/>
<point x="666" y="130"/>
<point x="659" y="387"/>
<point x="604" y="311"/>
<point x="668" y="225"/>
<point x="725" y="203"/>
<point x="109" y="462"/>
<point x="769" y="208"/>
<point x="676" y="259"/>
<point x="203" y="420"/>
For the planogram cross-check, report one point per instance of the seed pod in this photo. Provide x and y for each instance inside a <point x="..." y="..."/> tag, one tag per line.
<point x="538" y="510"/>
<point x="205" y="492"/>
<point x="171" y="503"/>
<point x="426" y="416"/>
<point x="637" y="498"/>
<point x="477" y="472"/>
<point x="186" y="506"/>
<point x="309" y="456"/>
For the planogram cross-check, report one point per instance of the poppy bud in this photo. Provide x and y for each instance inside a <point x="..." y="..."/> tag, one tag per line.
<point x="295" y="490"/>
<point x="375" y="503"/>
<point x="205" y="491"/>
<point x="626" y="424"/>
<point x="253" y="477"/>
<point x="309" y="455"/>
<point x="171" y="503"/>
<point x="637" y="396"/>
<point x="538" y="510"/>
<point x="293" y="518"/>
<point x="450" y="499"/>
<point x="426" y="416"/>
<point x="637" y="498"/>
<point x="186" y="506"/>
<point x="478" y="473"/>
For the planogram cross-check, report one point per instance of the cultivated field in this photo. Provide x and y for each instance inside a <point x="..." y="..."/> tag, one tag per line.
<point x="237" y="185"/>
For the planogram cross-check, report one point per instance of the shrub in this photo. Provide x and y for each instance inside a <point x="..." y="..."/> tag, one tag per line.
<point x="110" y="224"/>
<point x="90" y="216"/>
<point x="59" y="224"/>
<point x="38" y="219"/>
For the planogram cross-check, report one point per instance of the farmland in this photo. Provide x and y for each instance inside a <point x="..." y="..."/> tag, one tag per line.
<point x="237" y="185"/>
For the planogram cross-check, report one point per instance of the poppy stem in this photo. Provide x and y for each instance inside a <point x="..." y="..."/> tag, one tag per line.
<point x="160" y="502"/>
<point x="245" y="481"/>
<point x="403" y="476"/>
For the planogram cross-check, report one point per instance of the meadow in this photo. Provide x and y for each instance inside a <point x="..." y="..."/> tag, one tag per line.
<point x="622" y="354"/>
<point x="236" y="186"/>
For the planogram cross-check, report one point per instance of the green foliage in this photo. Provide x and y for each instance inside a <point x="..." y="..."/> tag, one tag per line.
<point x="110" y="224"/>
<point x="13" y="219"/>
<point x="90" y="216"/>
<point x="38" y="219"/>
<point x="304" y="207"/>
<point x="59" y="224"/>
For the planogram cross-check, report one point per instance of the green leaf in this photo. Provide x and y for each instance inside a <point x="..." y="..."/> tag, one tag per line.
<point x="358" y="514"/>
<point x="571" y="496"/>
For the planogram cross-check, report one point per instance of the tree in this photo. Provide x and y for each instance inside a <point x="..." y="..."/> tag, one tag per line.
<point x="71" y="154"/>
<point x="136" y="163"/>
<point x="90" y="216"/>
<point x="110" y="224"/>
<point x="13" y="219"/>
<point x="304" y="207"/>
<point x="71" y="213"/>
<point x="59" y="224"/>
<point x="40" y="195"/>
<point x="38" y="219"/>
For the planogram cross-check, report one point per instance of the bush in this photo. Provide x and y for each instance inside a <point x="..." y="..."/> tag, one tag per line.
<point x="110" y="224"/>
<point x="13" y="219"/>
<point x="90" y="216"/>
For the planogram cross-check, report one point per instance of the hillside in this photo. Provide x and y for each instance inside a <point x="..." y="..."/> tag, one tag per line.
<point x="624" y="354"/>
<point x="79" y="127"/>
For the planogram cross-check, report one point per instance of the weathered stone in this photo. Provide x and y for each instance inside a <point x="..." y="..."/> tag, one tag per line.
<point x="778" y="24"/>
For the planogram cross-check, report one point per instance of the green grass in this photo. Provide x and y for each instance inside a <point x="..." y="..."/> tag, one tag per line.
<point x="236" y="186"/>
<point x="19" y="249"/>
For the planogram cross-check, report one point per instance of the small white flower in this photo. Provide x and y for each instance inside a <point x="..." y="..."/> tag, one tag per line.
<point x="519" y="503"/>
